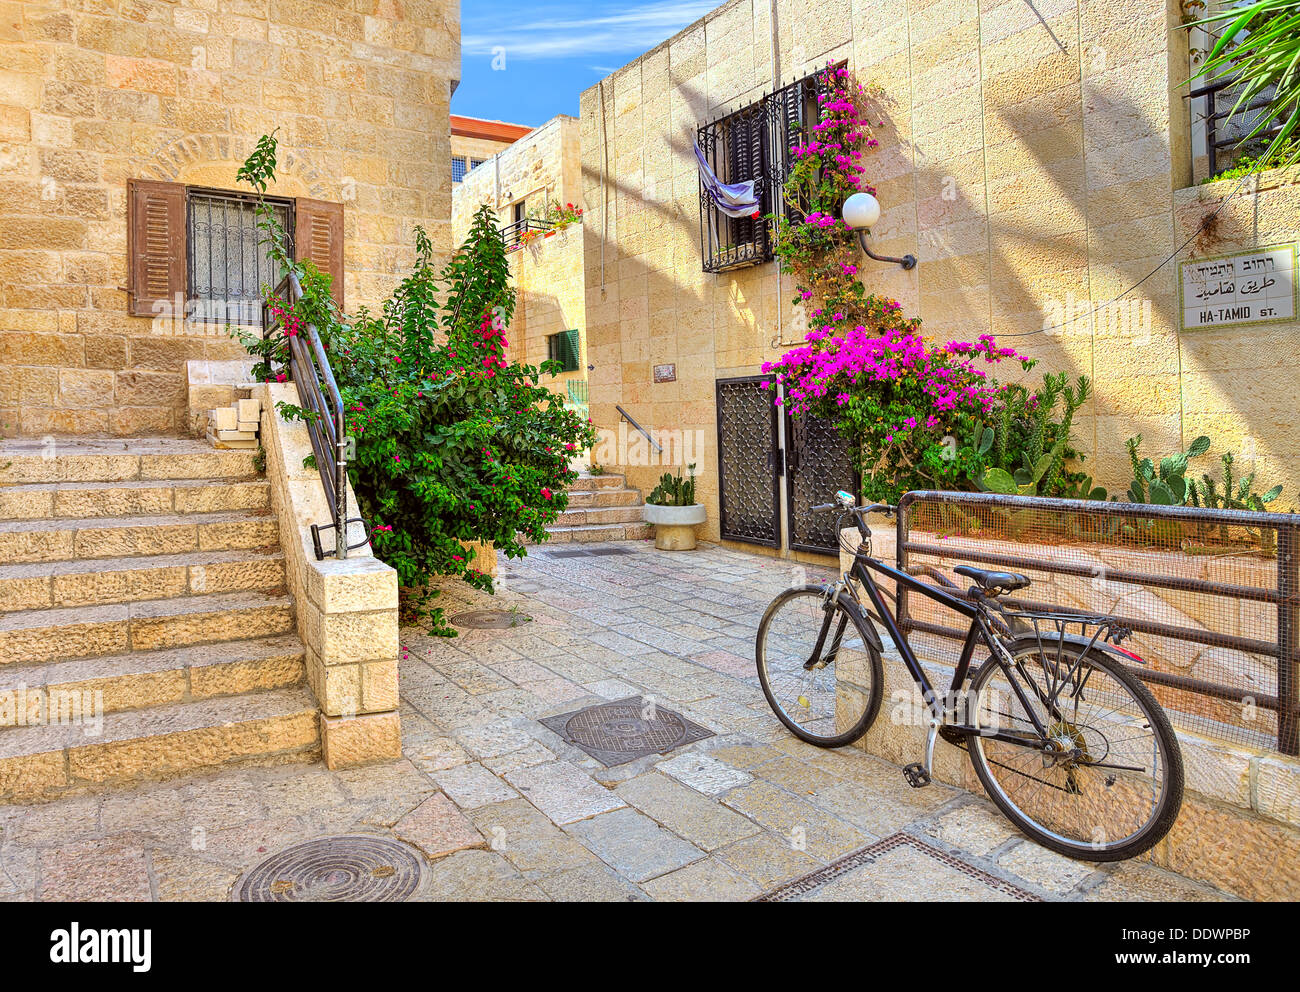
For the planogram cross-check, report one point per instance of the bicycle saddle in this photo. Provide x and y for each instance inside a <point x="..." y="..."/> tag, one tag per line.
<point x="986" y="579"/>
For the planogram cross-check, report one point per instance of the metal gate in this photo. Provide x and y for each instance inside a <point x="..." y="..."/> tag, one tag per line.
<point x="817" y="464"/>
<point x="752" y="459"/>
<point x="749" y="462"/>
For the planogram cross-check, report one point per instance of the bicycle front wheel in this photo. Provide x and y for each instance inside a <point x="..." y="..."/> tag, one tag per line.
<point x="819" y="667"/>
<point x="1104" y="782"/>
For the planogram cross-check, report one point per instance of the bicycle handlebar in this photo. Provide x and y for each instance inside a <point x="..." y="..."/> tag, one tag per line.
<point x="886" y="508"/>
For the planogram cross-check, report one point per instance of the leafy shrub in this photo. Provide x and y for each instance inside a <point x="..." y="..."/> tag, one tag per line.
<point x="455" y="443"/>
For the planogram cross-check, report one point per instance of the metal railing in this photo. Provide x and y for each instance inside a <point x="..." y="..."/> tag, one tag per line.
<point x="318" y="394"/>
<point x="516" y="234"/>
<point x="1212" y="596"/>
<point x="1224" y="127"/>
<point x="655" y="445"/>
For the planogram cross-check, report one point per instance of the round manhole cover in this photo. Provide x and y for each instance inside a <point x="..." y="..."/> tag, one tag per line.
<point x="334" y="869"/>
<point x="490" y="619"/>
<point x="625" y="727"/>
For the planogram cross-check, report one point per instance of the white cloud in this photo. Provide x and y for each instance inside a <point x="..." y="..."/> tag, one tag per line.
<point x="562" y="32"/>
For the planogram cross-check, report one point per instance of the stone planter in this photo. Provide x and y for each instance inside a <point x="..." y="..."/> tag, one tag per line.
<point x="674" y="525"/>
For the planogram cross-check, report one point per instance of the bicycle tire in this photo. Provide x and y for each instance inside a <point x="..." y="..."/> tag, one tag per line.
<point x="1171" y="793"/>
<point x="848" y="607"/>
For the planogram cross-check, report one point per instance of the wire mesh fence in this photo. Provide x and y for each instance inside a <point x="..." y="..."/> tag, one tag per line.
<point x="1212" y="597"/>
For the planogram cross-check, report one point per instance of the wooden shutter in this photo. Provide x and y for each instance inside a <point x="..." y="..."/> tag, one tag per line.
<point x="318" y="235"/>
<point x="155" y="238"/>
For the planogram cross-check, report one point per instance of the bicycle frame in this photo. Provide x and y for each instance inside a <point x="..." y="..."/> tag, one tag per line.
<point x="863" y="565"/>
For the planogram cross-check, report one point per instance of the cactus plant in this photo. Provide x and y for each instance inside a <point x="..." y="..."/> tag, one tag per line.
<point x="674" y="490"/>
<point x="1165" y="484"/>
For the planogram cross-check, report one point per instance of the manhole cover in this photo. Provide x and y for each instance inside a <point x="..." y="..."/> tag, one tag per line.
<point x="334" y="869"/>
<point x="602" y="552"/>
<point x="626" y="729"/>
<point x="490" y="619"/>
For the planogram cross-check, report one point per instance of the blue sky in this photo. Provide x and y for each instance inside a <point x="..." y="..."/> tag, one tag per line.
<point x="546" y="52"/>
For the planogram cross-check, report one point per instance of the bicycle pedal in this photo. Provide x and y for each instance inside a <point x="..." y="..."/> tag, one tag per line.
<point x="916" y="775"/>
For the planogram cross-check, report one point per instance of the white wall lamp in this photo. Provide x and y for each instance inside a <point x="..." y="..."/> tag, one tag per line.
<point x="862" y="210"/>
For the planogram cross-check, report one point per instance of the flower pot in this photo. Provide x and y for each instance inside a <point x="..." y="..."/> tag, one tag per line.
<point x="674" y="525"/>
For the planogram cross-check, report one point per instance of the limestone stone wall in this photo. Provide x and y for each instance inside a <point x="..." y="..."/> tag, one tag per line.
<point x="95" y="94"/>
<point x="543" y="165"/>
<point x="547" y="275"/>
<point x="1036" y="170"/>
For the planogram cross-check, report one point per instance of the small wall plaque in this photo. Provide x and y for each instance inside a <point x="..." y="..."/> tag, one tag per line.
<point x="1250" y="287"/>
<point x="665" y="373"/>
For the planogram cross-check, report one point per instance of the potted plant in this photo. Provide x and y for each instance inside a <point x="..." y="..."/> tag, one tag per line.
<point x="671" y="507"/>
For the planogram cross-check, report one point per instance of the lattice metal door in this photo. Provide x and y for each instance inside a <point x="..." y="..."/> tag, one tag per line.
<point x="749" y="462"/>
<point x="818" y="464"/>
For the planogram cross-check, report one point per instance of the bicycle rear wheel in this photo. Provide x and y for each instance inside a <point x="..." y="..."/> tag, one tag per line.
<point x="834" y="702"/>
<point x="1105" y="782"/>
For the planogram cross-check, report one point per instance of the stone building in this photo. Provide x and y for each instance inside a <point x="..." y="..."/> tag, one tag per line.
<point x="1036" y="168"/>
<point x="122" y="128"/>
<point x="522" y="183"/>
<point x="1039" y="162"/>
<point x="169" y="589"/>
<point x="475" y="140"/>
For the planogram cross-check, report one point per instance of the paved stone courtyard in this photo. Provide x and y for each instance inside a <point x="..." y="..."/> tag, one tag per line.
<point x="505" y="809"/>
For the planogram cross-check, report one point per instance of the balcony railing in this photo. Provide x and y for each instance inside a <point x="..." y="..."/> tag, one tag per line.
<point x="1225" y="128"/>
<point x="523" y="231"/>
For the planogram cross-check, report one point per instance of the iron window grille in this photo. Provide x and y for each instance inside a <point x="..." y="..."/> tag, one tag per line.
<point x="457" y="169"/>
<point x="227" y="265"/>
<point x="474" y="163"/>
<point x="565" y="348"/>
<point x="754" y="143"/>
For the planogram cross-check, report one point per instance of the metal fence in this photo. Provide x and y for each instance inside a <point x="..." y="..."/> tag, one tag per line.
<point x="1212" y="596"/>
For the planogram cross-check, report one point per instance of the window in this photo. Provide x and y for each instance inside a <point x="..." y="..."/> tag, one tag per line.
<point x="565" y="348"/>
<point x="753" y="143"/>
<point x="474" y="163"/>
<point x="457" y="169"/>
<point x="520" y="212"/>
<point x="196" y="254"/>
<point x="228" y="264"/>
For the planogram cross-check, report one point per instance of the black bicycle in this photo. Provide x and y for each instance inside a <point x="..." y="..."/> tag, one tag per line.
<point x="1069" y="744"/>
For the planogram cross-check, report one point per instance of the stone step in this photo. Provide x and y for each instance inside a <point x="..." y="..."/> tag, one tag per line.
<point x="159" y="742"/>
<point x="155" y="678"/>
<point x="608" y="515"/>
<point x="33" y="636"/>
<point x="93" y="582"/>
<point x="117" y="537"/>
<point x="605" y="481"/>
<point x="582" y="499"/>
<point x="47" y="500"/>
<point x="588" y="534"/>
<point x="119" y="460"/>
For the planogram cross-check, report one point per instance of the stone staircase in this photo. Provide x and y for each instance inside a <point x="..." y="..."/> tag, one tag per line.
<point x="145" y="627"/>
<point x="601" y="508"/>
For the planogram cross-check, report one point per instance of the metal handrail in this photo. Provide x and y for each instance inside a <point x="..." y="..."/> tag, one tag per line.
<point x="658" y="448"/>
<point x="318" y="393"/>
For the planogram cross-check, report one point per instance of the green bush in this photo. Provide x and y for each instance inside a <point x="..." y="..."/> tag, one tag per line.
<point x="455" y="443"/>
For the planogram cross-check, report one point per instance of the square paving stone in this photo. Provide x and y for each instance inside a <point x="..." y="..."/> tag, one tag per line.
<point x="478" y="876"/>
<point x="704" y="773"/>
<point x="437" y="828"/>
<point x="700" y="820"/>
<point x="634" y="845"/>
<point x="563" y="791"/>
<point x="767" y="859"/>
<point x="471" y="786"/>
<point x="705" y="881"/>
<point x="806" y="827"/>
<point x="591" y="883"/>
<point x="529" y="840"/>
<point x="94" y="871"/>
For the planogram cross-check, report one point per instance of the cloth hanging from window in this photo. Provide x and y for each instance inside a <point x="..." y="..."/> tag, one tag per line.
<point x="733" y="199"/>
